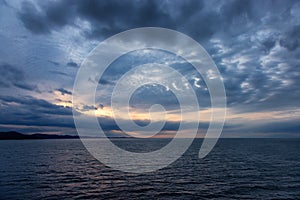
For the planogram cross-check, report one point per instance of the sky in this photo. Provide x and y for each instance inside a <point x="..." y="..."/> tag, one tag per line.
<point x="255" y="45"/>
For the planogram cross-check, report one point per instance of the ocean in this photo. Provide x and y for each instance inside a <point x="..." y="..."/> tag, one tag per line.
<point x="235" y="169"/>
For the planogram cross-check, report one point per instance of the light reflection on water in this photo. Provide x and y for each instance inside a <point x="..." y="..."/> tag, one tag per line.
<point x="236" y="168"/>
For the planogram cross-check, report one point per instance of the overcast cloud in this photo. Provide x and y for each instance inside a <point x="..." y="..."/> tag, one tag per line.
<point x="255" y="45"/>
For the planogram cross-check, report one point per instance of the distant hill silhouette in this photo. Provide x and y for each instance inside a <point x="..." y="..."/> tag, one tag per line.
<point x="12" y="135"/>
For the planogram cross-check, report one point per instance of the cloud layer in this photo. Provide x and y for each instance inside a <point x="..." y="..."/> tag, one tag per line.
<point x="254" y="44"/>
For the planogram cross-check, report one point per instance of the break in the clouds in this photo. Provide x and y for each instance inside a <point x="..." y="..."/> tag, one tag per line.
<point x="255" y="45"/>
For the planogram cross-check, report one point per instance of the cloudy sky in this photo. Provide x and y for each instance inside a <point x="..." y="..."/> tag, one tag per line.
<point x="255" y="45"/>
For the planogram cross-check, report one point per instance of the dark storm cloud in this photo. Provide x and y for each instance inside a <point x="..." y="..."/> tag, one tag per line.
<point x="106" y="17"/>
<point x="103" y="81"/>
<point x="110" y="17"/>
<point x="31" y="111"/>
<point x="199" y="20"/>
<point x="53" y="16"/>
<point x="72" y="64"/>
<point x="88" y="107"/>
<point x="13" y="76"/>
<point x="37" y="105"/>
<point x="32" y="19"/>
<point x="60" y="100"/>
<point x="64" y="91"/>
<point x="290" y="39"/>
<point x="268" y="44"/>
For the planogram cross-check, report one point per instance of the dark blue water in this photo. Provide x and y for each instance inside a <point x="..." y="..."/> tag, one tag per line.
<point x="235" y="169"/>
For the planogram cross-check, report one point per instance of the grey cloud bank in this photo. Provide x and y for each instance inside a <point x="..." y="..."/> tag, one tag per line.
<point x="255" y="45"/>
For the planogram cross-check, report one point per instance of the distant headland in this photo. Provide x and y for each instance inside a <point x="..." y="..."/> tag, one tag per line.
<point x="13" y="135"/>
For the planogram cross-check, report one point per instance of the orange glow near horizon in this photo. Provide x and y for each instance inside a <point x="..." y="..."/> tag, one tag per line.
<point x="232" y="116"/>
<point x="205" y="115"/>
